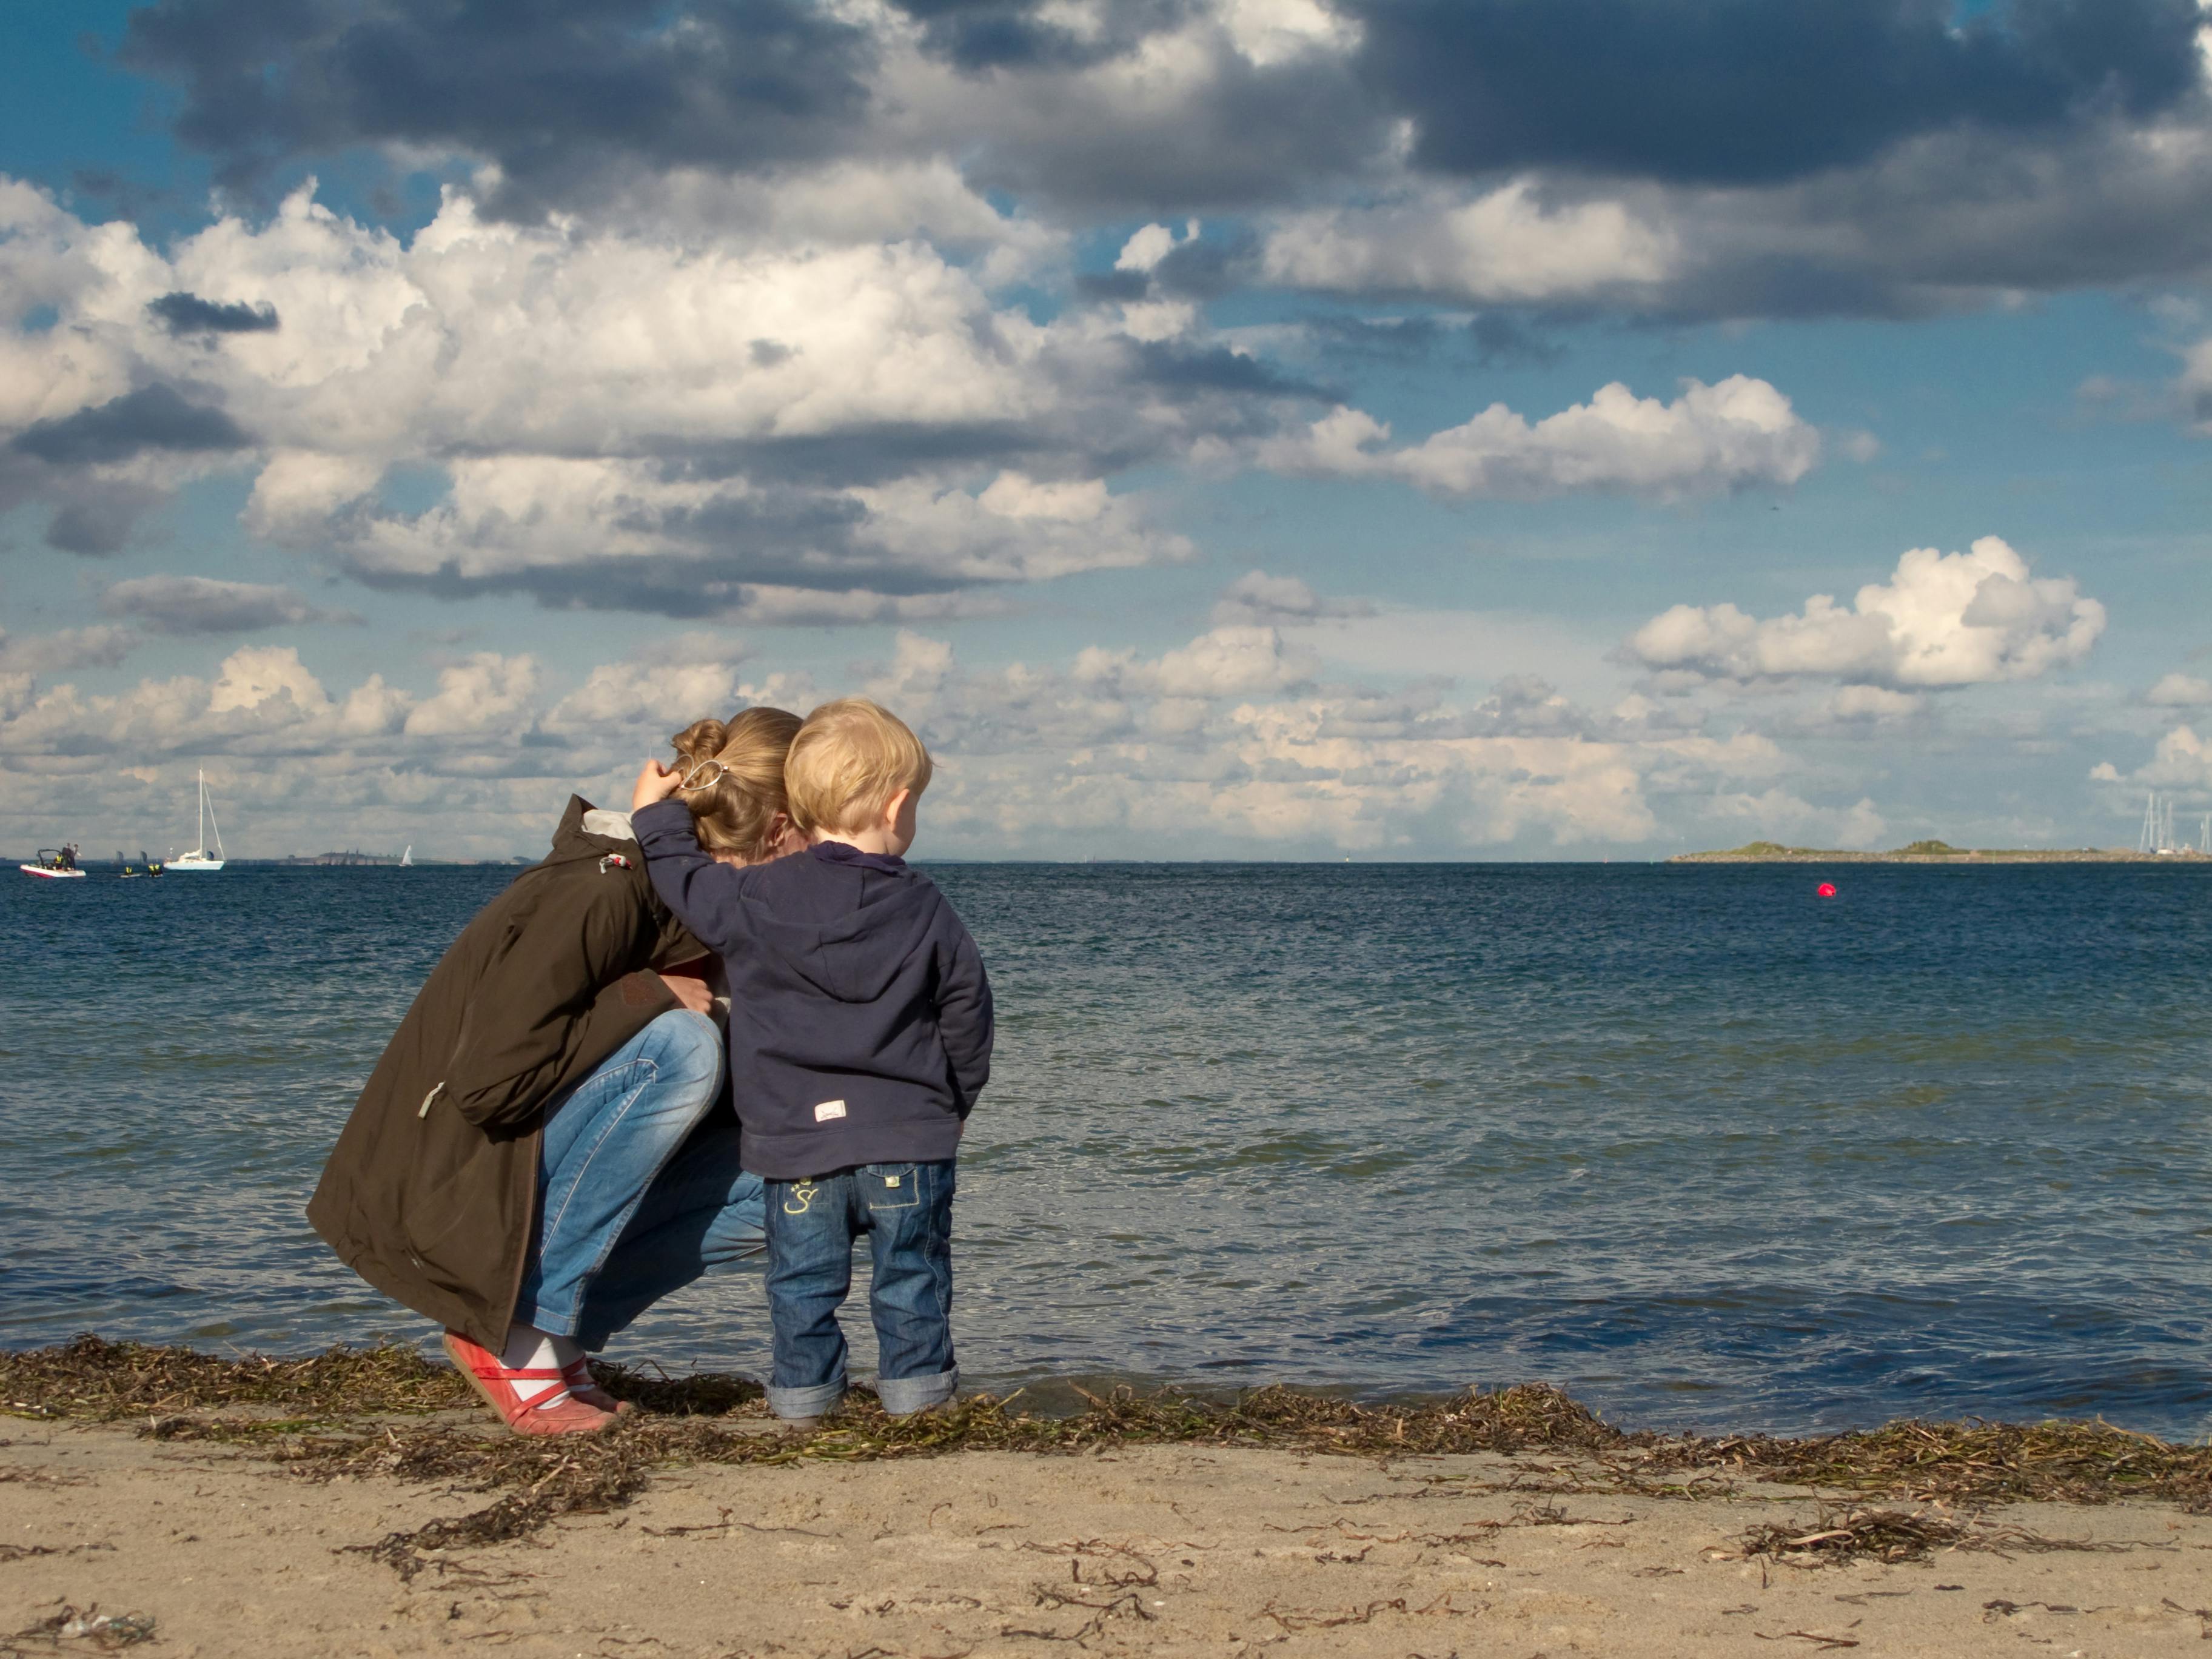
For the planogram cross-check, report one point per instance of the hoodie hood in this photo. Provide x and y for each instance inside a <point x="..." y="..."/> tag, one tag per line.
<point x="877" y="921"/>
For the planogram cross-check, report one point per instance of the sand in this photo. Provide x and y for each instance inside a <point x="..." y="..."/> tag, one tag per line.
<point x="1169" y="1550"/>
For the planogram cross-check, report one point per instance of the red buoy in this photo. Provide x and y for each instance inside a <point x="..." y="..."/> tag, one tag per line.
<point x="1826" y="889"/>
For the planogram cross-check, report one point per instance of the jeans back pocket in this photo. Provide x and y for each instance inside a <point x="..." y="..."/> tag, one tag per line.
<point x="889" y="1185"/>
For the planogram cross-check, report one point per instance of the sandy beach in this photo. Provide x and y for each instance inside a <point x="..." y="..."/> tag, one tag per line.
<point x="1159" y="1549"/>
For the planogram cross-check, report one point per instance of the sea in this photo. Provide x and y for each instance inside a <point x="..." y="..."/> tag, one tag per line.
<point x="1707" y="1150"/>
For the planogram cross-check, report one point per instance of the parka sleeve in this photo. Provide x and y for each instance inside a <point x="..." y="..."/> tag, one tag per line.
<point x="528" y="1015"/>
<point x="964" y="1020"/>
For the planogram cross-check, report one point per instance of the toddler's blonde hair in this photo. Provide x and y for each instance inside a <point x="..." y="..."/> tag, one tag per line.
<point x="738" y="767"/>
<point x="847" y="762"/>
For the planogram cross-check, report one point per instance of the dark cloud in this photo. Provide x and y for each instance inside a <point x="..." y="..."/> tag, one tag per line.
<point x="778" y="536"/>
<point x="188" y="313"/>
<point x="554" y="91"/>
<point x="152" y="417"/>
<point x="859" y="455"/>
<point x="1177" y="367"/>
<point x="201" y="604"/>
<point x="1111" y="286"/>
<point x="987" y="34"/>
<point x="1246" y="135"/>
<point x="1497" y="338"/>
<point x="1501" y="338"/>
<point x="126" y="195"/>
<point x="1206" y="267"/>
<point x="98" y="521"/>
<point x="1750" y="91"/>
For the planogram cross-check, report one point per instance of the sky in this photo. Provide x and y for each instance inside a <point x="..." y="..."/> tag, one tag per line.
<point x="1383" y="429"/>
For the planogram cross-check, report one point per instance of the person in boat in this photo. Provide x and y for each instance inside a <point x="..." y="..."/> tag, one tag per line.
<point x="539" y="1155"/>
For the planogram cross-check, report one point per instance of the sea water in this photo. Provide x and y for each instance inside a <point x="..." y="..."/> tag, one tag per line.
<point x="1702" y="1147"/>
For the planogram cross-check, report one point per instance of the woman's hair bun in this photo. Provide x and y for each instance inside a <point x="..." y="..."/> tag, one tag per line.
<point x="737" y="797"/>
<point x="699" y="742"/>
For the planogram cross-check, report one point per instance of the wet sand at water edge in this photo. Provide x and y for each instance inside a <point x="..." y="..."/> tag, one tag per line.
<point x="1154" y="1549"/>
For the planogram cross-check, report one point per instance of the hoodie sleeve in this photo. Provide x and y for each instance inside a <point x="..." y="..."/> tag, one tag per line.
<point x="705" y="895"/>
<point x="964" y="1011"/>
<point x="532" y="1013"/>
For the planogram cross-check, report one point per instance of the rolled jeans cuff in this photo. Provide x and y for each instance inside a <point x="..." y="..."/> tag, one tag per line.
<point x="902" y="1395"/>
<point x="810" y="1402"/>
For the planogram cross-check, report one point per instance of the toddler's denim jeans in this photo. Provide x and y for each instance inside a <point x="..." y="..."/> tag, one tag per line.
<point x="906" y="1210"/>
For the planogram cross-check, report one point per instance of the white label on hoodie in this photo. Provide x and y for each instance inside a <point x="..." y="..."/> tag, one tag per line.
<point x="828" y="1109"/>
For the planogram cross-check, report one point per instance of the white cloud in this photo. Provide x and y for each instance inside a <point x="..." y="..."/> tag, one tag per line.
<point x="1258" y="597"/>
<point x="1269" y="31"/>
<point x="1150" y="245"/>
<point x="671" y="694"/>
<point x="2179" y="690"/>
<point x="1777" y="814"/>
<point x="260" y="674"/>
<point x="1737" y="435"/>
<point x="2182" y="760"/>
<point x="1229" y="661"/>
<point x="1943" y="620"/>
<point x="486" y="693"/>
<point x="1506" y="246"/>
<point x="102" y="645"/>
<point x="1224" y="743"/>
<point x="596" y="400"/>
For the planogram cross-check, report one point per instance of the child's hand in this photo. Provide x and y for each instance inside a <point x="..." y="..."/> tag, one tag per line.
<point x="654" y="783"/>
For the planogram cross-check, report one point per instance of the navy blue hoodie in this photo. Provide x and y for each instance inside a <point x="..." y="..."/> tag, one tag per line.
<point x="859" y="1014"/>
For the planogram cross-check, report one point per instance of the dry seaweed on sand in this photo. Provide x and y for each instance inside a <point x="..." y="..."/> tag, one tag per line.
<point x="700" y="1393"/>
<point x="336" y="1397"/>
<point x="1972" y="1462"/>
<point x="100" y="1629"/>
<point x="1894" y="1535"/>
<point x="90" y="1377"/>
<point x="1856" y="1535"/>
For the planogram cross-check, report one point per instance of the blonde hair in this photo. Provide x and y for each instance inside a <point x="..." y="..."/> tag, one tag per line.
<point x="847" y="762"/>
<point x="739" y="768"/>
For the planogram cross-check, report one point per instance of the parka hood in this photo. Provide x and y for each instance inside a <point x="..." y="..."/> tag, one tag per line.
<point x="588" y="834"/>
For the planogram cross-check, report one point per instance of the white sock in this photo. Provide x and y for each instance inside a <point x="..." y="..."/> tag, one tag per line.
<point x="567" y="1350"/>
<point x="529" y="1348"/>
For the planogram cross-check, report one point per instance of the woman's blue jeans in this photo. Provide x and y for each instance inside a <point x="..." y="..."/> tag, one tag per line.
<point x="906" y="1210"/>
<point x="639" y="1190"/>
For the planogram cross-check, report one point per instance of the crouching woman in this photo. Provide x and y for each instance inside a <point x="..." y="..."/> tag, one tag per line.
<point x="537" y="1159"/>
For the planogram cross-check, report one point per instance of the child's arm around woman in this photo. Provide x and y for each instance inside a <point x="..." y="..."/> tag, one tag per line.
<point x="702" y="890"/>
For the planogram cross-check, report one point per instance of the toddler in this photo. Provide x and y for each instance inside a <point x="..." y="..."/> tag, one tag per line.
<point x="859" y="1037"/>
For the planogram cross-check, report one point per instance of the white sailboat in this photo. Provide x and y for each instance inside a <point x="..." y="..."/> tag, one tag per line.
<point x="199" y="858"/>
<point x="407" y="858"/>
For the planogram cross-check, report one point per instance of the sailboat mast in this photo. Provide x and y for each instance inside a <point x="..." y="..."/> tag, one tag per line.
<point x="201" y="842"/>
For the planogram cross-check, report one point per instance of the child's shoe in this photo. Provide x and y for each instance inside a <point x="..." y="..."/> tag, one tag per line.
<point x="554" y="1412"/>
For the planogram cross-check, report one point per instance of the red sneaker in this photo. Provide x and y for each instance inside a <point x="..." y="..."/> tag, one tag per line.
<point x="583" y="1386"/>
<point x="556" y="1413"/>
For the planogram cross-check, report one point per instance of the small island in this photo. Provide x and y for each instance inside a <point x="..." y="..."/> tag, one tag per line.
<point x="1937" y="852"/>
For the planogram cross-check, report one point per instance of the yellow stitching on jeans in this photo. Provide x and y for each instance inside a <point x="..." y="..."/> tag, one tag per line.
<point x="803" y="1192"/>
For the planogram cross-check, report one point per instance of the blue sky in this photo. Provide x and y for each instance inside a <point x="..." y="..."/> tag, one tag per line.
<point x="1227" y="428"/>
